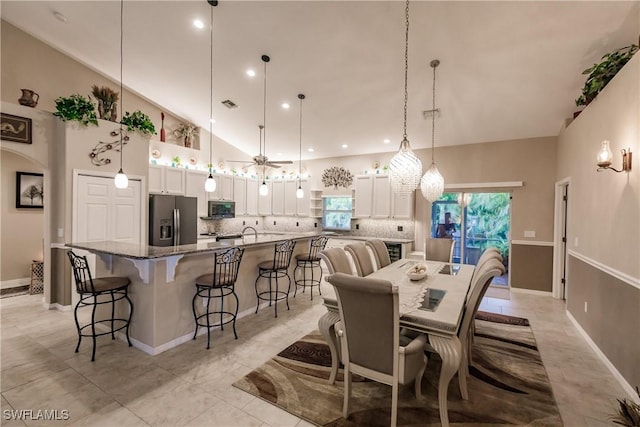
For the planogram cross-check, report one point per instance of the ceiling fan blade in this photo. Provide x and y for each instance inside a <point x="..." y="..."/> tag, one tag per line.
<point x="240" y="161"/>
<point x="283" y="162"/>
<point x="272" y="165"/>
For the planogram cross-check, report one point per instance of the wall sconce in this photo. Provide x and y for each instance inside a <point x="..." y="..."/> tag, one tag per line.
<point x="604" y="158"/>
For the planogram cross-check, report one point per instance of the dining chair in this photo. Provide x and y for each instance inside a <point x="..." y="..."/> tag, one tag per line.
<point x="439" y="249"/>
<point x="488" y="254"/>
<point x="369" y="332"/>
<point x="94" y="292"/>
<point x="380" y="252"/>
<point x="336" y="260"/>
<point x="361" y="258"/>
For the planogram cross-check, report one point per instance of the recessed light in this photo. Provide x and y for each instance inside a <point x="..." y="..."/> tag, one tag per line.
<point x="285" y="105"/>
<point x="251" y="73"/>
<point x="198" y="24"/>
<point x="386" y="141"/>
<point x="310" y="150"/>
<point x="60" y="17"/>
<point x="345" y="146"/>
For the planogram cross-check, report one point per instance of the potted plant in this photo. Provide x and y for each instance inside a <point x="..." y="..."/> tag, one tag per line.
<point x="186" y="131"/>
<point x="601" y="74"/>
<point x="76" y="108"/>
<point x="175" y="161"/>
<point x="107" y="102"/>
<point x="140" y="122"/>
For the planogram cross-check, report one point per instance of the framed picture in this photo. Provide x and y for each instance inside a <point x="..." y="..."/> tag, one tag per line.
<point x="29" y="190"/>
<point x="14" y="128"/>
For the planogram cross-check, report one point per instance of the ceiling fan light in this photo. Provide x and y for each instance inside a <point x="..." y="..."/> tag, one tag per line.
<point x="432" y="184"/>
<point x="405" y="169"/>
<point x="210" y="184"/>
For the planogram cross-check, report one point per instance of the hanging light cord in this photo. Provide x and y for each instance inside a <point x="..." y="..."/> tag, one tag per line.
<point x="433" y="117"/>
<point x="300" y="153"/>
<point x="121" y="93"/>
<point x="211" y="96"/>
<point x="406" y="65"/>
<point x="264" y="110"/>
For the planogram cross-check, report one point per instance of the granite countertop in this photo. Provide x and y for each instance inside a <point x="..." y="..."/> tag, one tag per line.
<point x="384" y="239"/>
<point x="138" y="251"/>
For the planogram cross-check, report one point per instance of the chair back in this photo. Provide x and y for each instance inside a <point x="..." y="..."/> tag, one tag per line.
<point x="81" y="273"/>
<point x="282" y="254"/>
<point x="316" y="245"/>
<point x="226" y="265"/>
<point x="336" y="260"/>
<point x="361" y="258"/>
<point x="370" y="320"/>
<point x="380" y="252"/>
<point x="439" y="249"/>
<point x="489" y="253"/>
<point x="492" y="268"/>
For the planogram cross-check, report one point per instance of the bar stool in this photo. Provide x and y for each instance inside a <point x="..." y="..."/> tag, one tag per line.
<point x="308" y="262"/>
<point x="276" y="268"/>
<point x="91" y="290"/>
<point x="219" y="284"/>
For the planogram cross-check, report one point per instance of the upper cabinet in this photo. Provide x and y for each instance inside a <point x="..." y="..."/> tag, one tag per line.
<point x="167" y="180"/>
<point x="252" y="196"/>
<point x="240" y="194"/>
<point x="195" y="188"/>
<point x="303" y="205"/>
<point x="375" y="199"/>
<point x="264" y="202"/>
<point x="224" y="187"/>
<point x="277" y="197"/>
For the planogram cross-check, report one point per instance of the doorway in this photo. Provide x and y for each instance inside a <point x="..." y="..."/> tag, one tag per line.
<point x="560" y="239"/>
<point x="475" y="221"/>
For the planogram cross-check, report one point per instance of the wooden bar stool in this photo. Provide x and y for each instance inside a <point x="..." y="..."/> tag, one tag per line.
<point x="219" y="284"/>
<point x="308" y="262"/>
<point x="92" y="292"/>
<point x="276" y="268"/>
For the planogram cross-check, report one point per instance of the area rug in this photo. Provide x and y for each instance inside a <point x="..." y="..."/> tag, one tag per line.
<point x="508" y="384"/>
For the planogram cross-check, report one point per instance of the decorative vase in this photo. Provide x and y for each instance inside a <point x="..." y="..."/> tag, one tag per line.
<point x="27" y="98"/>
<point x="163" y="136"/>
<point x="107" y="110"/>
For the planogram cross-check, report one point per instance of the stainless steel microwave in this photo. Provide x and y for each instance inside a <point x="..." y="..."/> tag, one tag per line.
<point x="221" y="209"/>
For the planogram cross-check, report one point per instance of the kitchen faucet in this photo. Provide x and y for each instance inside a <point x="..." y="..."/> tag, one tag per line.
<point x="255" y="232"/>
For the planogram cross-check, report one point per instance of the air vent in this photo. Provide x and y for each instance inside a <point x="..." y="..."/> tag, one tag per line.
<point x="427" y="114"/>
<point x="229" y="104"/>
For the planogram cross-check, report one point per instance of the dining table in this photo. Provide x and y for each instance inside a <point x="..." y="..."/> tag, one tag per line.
<point x="433" y="305"/>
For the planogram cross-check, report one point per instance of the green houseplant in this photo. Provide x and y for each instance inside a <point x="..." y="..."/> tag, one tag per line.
<point x="76" y="108"/>
<point x="138" y="121"/>
<point x="601" y="74"/>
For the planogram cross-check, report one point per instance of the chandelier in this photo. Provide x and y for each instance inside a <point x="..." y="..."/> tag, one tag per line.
<point x="405" y="167"/>
<point x="432" y="183"/>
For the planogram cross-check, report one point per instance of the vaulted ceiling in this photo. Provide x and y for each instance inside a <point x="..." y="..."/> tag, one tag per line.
<point x="508" y="70"/>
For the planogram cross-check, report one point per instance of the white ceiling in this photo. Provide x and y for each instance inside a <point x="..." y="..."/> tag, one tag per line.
<point x="508" y="70"/>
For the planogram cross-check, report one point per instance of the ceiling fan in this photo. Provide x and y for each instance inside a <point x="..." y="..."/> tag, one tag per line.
<point x="262" y="159"/>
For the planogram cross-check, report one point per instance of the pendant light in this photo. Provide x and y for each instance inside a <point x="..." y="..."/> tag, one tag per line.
<point x="264" y="190"/>
<point x="210" y="183"/>
<point x="405" y="167"/>
<point x="121" y="180"/>
<point x="432" y="183"/>
<point x="300" y="191"/>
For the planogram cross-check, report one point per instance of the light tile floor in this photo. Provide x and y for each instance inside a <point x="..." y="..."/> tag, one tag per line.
<point x="190" y="386"/>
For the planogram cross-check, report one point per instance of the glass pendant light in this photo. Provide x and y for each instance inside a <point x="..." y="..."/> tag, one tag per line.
<point x="121" y="180"/>
<point x="210" y="183"/>
<point x="432" y="183"/>
<point x="405" y="167"/>
<point x="300" y="191"/>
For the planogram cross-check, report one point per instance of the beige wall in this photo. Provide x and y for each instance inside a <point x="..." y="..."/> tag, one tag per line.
<point x="604" y="221"/>
<point x="22" y="229"/>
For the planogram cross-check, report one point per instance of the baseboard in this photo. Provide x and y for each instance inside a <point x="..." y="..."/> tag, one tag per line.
<point x="15" y="283"/>
<point x="56" y="306"/>
<point x="531" y="291"/>
<point x="618" y="376"/>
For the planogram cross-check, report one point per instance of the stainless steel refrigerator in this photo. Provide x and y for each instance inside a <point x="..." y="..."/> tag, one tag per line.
<point x="173" y="220"/>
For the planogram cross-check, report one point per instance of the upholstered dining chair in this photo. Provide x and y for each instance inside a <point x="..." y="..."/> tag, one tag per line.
<point x="361" y="258"/>
<point x="439" y="249"/>
<point x="336" y="260"/>
<point x="380" y="252"/>
<point x="369" y="332"/>
<point x="488" y="254"/>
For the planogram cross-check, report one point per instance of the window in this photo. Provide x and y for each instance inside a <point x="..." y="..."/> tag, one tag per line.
<point x="336" y="213"/>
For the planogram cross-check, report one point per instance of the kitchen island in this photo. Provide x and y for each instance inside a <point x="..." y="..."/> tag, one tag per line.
<point x="162" y="281"/>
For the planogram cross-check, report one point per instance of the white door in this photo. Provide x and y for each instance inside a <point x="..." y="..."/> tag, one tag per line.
<point x="105" y="212"/>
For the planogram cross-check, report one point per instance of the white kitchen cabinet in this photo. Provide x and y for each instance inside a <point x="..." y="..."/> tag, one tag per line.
<point x="252" y="196"/>
<point x="167" y="180"/>
<point x="240" y="194"/>
<point x="303" y="205"/>
<point x="277" y="197"/>
<point x="402" y="207"/>
<point x="381" y="200"/>
<point x="224" y="187"/>
<point x="363" y="194"/>
<point x="195" y="188"/>
<point x="264" y="202"/>
<point x="290" y="200"/>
